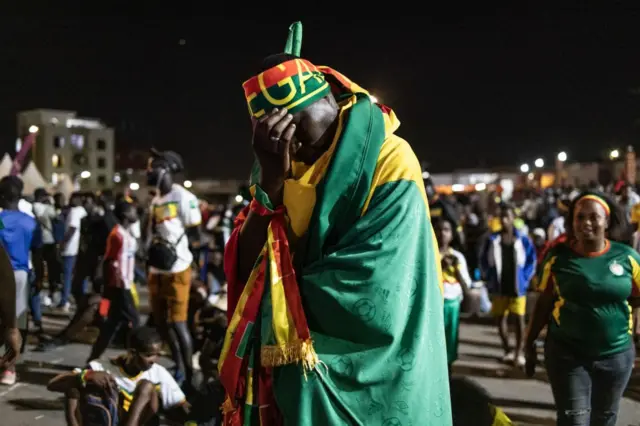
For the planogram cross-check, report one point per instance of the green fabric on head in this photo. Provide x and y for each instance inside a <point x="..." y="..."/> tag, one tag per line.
<point x="294" y="40"/>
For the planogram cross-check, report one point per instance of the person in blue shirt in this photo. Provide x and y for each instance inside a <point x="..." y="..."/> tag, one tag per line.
<point x="16" y="237"/>
<point x="508" y="262"/>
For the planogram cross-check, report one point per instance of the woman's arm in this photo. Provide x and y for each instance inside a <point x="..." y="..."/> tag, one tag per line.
<point x="540" y="317"/>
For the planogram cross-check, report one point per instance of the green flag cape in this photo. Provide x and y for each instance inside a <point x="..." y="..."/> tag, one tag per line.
<point x="370" y="289"/>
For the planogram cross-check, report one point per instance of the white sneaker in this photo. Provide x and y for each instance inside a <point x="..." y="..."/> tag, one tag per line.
<point x="195" y="362"/>
<point x="46" y="301"/>
<point x="521" y="361"/>
<point x="66" y="308"/>
<point x="509" y="357"/>
<point x="8" y="378"/>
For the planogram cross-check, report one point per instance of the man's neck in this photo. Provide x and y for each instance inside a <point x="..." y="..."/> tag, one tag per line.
<point x="129" y="367"/>
<point x="164" y="190"/>
<point x="12" y="206"/>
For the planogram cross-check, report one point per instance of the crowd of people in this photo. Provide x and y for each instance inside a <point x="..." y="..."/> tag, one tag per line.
<point x="89" y="257"/>
<point x="339" y="294"/>
<point x="575" y="249"/>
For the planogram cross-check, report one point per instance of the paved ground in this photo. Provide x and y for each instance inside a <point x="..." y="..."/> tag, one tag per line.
<point x="527" y="402"/>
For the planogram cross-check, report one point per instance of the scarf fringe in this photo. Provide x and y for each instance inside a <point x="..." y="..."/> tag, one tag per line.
<point x="298" y="351"/>
<point x="230" y="413"/>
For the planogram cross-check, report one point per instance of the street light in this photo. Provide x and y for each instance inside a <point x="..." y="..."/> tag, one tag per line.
<point x="524" y="168"/>
<point x="562" y="156"/>
<point x="33" y="129"/>
<point x="187" y="184"/>
<point x="86" y="174"/>
<point x="614" y="154"/>
<point x="239" y="198"/>
<point x="539" y="163"/>
<point x="134" y="186"/>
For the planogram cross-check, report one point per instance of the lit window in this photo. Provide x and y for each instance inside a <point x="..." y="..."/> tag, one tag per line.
<point x="77" y="141"/>
<point x="58" y="142"/>
<point x="55" y="160"/>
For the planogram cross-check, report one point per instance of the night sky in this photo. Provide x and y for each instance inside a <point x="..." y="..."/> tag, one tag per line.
<point x="470" y="91"/>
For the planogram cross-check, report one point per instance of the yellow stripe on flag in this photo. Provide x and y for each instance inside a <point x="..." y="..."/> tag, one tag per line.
<point x="283" y="326"/>
<point x="237" y="314"/>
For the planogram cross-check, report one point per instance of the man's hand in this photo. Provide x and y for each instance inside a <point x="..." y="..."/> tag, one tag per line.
<point x="13" y="340"/>
<point x="272" y="136"/>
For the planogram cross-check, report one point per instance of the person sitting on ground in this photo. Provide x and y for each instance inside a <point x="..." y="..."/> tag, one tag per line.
<point x="143" y="387"/>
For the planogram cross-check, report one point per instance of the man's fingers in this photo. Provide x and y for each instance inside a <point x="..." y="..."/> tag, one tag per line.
<point x="266" y="116"/>
<point x="289" y="132"/>
<point x="274" y="118"/>
<point x="280" y="127"/>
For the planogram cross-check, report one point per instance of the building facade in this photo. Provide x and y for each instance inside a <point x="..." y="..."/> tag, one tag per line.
<point x="66" y="145"/>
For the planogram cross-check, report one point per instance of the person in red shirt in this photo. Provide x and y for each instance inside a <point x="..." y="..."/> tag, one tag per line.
<point x="118" y="269"/>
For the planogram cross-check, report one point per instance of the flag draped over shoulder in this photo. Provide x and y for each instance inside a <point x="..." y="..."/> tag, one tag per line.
<point x="353" y="334"/>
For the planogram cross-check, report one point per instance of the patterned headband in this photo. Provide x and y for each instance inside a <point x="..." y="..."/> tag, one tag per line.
<point x="294" y="84"/>
<point x="596" y="199"/>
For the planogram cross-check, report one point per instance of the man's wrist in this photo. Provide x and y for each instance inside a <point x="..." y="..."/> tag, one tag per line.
<point x="269" y="196"/>
<point x="273" y="191"/>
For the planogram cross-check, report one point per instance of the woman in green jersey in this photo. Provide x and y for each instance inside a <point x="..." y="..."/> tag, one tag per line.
<point x="587" y="285"/>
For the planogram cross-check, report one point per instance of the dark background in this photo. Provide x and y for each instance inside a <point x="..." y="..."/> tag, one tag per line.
<point x="471" y="91"/>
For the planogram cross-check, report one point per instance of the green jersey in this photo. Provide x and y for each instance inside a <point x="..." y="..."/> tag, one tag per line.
<point x="591" y="312"/>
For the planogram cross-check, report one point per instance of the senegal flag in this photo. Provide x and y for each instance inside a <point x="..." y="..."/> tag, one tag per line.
<point x="341" y="320"/>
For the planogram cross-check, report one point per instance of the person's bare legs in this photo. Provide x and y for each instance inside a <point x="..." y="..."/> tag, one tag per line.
<point x="520" y="330"/>
<point x="503" y="331"/>
<point x="72" y="408"/>
<point x="145" y="404"/>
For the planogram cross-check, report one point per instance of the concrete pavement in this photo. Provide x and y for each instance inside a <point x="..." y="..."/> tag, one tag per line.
<point x="526" y="401"/>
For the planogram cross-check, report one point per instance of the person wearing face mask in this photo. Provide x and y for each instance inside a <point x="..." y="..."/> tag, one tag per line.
<point x="587" y="286"/>
<point x="174" y="220"/>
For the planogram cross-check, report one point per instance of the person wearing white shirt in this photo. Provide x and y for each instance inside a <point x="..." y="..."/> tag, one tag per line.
<point x="70" y="246"/>
<point x="45" y="214"/>
<point x="174" y="226"/>
<point x="456" y="282"/>
<point x="142" y="386"/>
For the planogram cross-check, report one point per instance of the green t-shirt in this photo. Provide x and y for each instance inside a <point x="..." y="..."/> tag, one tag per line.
<point x="591" y="313"/>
